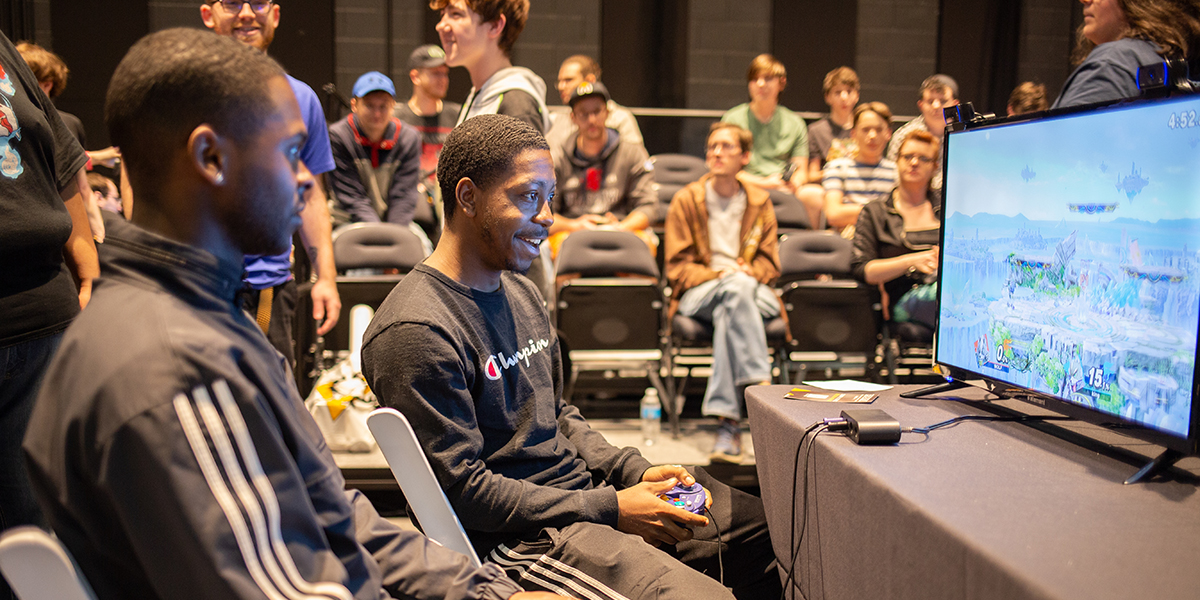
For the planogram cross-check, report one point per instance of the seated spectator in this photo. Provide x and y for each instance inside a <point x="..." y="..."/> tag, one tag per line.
<point x="896" y="239"/>
<point x="1119" y="36"/>
<point x="169" y="446"/>
<point x="937" y="92"/>
<point x="574" y="72"/>
<point x="851" y="183"/>
<point x="604" y="180"/>
<point x="377" y="158"/>
<point x="105" y="193"/>
<point x="780" y="135"/>
<point x="429" y="113"/>
<point x="1026" y="98"/>
<point x="830" y="137"/>
<point x="467" y="352"/>
<point x="722" y="254"/>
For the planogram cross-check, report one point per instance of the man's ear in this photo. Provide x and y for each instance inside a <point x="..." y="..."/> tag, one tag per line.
<point x="466" y="195"/>
<point x="207" y="154"/>
<point x="495" y="28"/>
<point x="206" y="15"/>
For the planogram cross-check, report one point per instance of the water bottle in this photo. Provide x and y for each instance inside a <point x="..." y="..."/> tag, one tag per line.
<point x="651" y="416"/>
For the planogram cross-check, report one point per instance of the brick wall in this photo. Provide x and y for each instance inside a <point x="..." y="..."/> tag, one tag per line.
<point x="1046" y="41"/>
<point x="165" y="14"/>
<point x="897" y="50"/>
<point x="558" y="29"/>
<point x="723" y="37"/>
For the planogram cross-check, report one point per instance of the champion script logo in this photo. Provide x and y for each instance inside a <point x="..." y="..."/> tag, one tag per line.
<point x="498" y="363"/>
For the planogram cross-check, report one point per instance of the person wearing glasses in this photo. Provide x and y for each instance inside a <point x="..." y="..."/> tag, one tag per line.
<point x="896" y="238"/>
<point x="269" y="289"/>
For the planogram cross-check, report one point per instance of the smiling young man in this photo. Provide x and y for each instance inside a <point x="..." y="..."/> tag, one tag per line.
<point x="467" y="352"/>
<point x="479" y="35"/>
<point x="269" y="288"/>
<point x="603" y="179"/>
<point x="169" y="446"/>
<point x="722" y="254"/>
<point x="378" y="158"/>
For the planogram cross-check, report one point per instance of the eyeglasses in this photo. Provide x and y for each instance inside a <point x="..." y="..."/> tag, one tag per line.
<point x="234" y="6"/>
<point x="910" y="157"/>
<point x="724" y="147"/>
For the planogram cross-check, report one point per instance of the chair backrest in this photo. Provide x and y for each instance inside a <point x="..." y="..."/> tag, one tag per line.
<point x="38" y="567"/>
<point x="807" y="254"/>
<point x="789" y="212"/>
<point x="602" y="253"/>
<point x="671" y="173"/>
<point x="376" y="246"/>
<point x="424" y="494"/>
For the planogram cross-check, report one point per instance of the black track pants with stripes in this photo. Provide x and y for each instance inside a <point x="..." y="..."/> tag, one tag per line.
<point x="596" y="562"/>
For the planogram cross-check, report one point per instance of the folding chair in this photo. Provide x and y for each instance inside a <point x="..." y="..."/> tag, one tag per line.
<point x="38" y="567"/>
<point x="610" y="306"/>
<point x="834" y="319"/>
<point x="420" y="486"/>
<point x="790" y="213"/>
<point x="357" y="247"/>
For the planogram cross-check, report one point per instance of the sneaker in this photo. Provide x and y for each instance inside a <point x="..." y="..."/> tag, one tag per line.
<point x="728" y="447"/>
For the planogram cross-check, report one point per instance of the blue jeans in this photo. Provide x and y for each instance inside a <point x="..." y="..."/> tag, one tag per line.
<point x="735" y="306"/>
<point x="23" y="366"/>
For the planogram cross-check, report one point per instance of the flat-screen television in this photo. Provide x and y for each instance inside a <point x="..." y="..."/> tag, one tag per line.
<point x="1070" y="263"/>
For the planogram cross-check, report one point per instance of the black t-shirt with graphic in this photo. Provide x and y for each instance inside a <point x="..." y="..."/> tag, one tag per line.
<point x="478" y="374"/>
<point x="38" y="157"/>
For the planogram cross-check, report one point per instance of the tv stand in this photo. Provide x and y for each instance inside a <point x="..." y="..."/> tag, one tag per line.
<point x="951" y="385"/>
<point x="1156" y="466"/>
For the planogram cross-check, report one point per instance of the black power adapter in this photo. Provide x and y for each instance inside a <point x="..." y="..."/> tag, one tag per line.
<point x="871" y="427"/>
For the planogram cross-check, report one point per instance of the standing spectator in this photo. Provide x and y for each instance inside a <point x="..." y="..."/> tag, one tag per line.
<point x="270" y="292"/>
<point x="937" y="92"/>
<point x="850" y="183"/>
<point x="603" y="179"/>
<point x="722" y="255"/>
<point x="1026" y="98"/>
<point x="780" y="136"/>
<point x="47" y="263"/>
<point x="1119" y="36"/>
<point x="378" y="157"/>
<point x="428" y="111"/>
<point x="830" y="137"/>
<point x="574" y="72"/>
<point x="479" y="35"/>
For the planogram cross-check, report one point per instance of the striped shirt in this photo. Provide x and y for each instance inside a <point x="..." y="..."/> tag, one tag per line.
<point x="859" y="183"/>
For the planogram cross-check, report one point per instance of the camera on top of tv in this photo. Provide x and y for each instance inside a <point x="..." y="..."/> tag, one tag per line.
<point x="1164" y="78"/>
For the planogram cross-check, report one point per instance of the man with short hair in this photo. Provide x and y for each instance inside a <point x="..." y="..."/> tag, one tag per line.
<point x="603" y="179"/>
<point x="937" y="92"/>
<point x="722" y="255"/>
<point x="479" y="35"/>
<point x="270" y="289"/>
<point x="780" y="135"/>
<point x="105" y="193"/>
<point x="852" y="182"/>
<point x="169" y="446"/>
<point x="830" y="137"/>
<point x="468" y="353"/>
<point x="428" y="111"/>
<point x="575" y="71"/>
<point x="378" y="158"/>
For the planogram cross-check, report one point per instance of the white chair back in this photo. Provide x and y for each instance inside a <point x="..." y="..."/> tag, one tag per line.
<point x="38" y="567"/>
<point x="404" y="455"/>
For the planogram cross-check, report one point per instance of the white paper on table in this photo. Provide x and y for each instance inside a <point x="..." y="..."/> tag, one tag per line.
<point x="848" y="385"/>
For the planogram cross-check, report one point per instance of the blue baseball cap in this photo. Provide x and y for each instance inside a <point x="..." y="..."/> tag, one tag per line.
<point x="374" y="81"/>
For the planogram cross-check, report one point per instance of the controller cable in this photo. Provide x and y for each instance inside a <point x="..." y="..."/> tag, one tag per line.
<point x="956" y="420"/>
<point x="720" y="562"/>
<point x="819" y="427"/>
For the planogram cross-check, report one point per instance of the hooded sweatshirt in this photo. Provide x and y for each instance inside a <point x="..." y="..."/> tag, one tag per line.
<point x="495" y="97"/>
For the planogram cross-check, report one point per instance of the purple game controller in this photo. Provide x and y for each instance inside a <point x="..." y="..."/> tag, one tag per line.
<point x="690" y="498"/>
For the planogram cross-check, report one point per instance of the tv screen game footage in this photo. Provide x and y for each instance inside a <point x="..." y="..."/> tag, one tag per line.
<point x="1070" y="258"/>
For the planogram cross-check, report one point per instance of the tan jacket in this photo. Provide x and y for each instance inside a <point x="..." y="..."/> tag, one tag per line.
<point x="688" y="254"/>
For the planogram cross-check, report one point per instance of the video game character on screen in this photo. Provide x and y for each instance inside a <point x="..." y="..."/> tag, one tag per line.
<point x="1070" y="262"/>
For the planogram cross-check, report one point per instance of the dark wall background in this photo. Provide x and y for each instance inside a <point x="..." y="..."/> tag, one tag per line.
<point x="647" y="47"/>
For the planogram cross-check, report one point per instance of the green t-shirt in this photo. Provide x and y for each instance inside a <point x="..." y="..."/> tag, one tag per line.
<point x="776" y="142"/>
